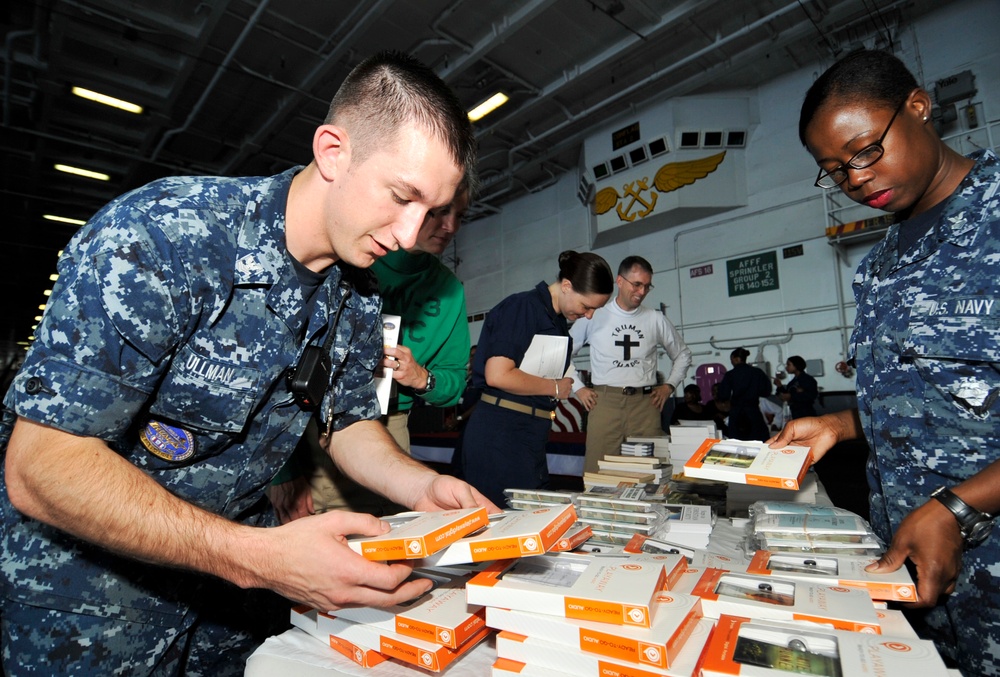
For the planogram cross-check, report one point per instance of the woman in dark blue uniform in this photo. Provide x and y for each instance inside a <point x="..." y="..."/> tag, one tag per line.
<point x="504" y="444"/>
<point x="801" y="391"/>
<point x="743" y="386"/>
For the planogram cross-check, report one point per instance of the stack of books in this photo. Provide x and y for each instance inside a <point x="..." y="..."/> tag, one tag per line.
<point x="661" y="444"/>
<point x="614" y="518"/>
<point x="636" y="448"/>
<point x="654" y="465"/>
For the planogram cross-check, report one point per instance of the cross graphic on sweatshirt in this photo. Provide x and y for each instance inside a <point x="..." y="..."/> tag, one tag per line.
<point x="627" y="344"/>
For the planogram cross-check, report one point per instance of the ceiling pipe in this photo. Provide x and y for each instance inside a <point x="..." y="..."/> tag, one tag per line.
<point x="170" y="133"/>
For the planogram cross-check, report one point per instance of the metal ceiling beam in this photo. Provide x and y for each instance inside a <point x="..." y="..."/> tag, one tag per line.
<point x="289" y="105"/>
<point x="509" y="24"/>
<point x="669" y="20"/>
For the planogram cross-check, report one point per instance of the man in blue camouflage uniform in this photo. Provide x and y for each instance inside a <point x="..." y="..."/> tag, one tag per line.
<point x="926" y="344"/>
<point x="153" y="410"/>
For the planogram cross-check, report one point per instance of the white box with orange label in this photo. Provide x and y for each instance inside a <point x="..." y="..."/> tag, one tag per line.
<point x="364" y="638"/>
<point x="441" y="616"/>
<point x="846" y="570"/>
<point x="307" y="618"/>
<point x="751" y="648"/>
<point x="607" y="589"/>
<point x="518" y="533"/>
<point x="750" y="462"/>
<point x="766" y="597"/>
<point x="674" y="618"/>
<point x="422" y="535"/>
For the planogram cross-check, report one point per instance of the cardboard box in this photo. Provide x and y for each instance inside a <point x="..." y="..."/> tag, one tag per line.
<point x="755" y="463"/>
<point x="613" y="589"/>
<point x="441" y="616"/>
<point x="425" y="655"/>
<point x="674" y="618"/>
<point x="848" y="570"/>
<point x="421" y="536"/>
<point x="741" y="646"/>
<point x="684" y="666"/>
<point x="518" y="533"/>
<point x="769" y="598"/>
<point x="307" y="618"/>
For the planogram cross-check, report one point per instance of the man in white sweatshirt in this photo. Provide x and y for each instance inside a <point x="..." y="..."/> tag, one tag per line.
<point x="623" y="337"/>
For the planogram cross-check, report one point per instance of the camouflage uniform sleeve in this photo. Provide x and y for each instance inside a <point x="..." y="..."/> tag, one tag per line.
<point x="114" y="317"/>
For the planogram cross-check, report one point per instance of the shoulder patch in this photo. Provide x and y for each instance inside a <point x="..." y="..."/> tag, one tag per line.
<point x="167" y="442"/>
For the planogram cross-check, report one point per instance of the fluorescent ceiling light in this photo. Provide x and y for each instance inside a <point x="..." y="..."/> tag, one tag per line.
<point x="63" y="219"/>
<point x="488" y="106"/>
<point x="107" y="100"/>
<point x="47" y="292"/>
<point x="100" y="176"/>
<point x="54" y="276"/>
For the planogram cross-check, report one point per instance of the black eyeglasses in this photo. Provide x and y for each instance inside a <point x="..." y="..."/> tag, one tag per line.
<point x="865" y="157"/>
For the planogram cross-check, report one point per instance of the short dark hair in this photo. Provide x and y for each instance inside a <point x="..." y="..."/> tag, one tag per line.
<point x="389" y="89"/>
<point x="692" y="388"/>
<point x="800" y="364"/>
<point x="587" y="272"/>
<point x="630" y="262"/>
<point x="867" y="76"/>
<point x="741" y="353"/>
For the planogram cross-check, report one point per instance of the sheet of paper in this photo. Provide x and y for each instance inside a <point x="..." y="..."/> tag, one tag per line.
<point x="546" y="356"/>
<point x="390" y="337"/>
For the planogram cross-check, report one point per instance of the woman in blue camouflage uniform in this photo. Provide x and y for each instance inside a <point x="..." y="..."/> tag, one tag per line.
<point x="926" y="344"/>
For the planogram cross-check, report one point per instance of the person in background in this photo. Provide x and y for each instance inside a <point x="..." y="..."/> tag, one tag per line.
<point x="623" y="337"/>
<point x="167" y="386"/>
<point x="691" y="409"/>
<point x="925" y="345"/>
<point x="742" y="387"/>
<point x="801" y="392"/>
<point x="504" y="442"/>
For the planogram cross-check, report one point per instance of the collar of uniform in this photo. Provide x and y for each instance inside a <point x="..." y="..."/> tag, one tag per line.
<point x="262" y="257"/>
<point x="543" y="291"/>
<point x="953" y="226"/>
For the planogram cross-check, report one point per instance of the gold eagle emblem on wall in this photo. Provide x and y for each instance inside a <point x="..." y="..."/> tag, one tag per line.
<point x="633" y="204"/>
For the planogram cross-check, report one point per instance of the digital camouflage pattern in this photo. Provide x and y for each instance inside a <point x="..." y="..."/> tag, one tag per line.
<point x="927" y="345"/>
<point x="169" y="334"/>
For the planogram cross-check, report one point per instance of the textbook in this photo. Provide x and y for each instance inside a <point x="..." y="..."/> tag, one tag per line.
<point x="743" y="462"/>
<point x="619" y="590"/>
<point x="421" y="534"/>
<point x="742" y="646"/>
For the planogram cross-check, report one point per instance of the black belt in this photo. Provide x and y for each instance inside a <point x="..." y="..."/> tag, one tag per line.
<point x="628" y="390"/>
<point x="517" y="406"/>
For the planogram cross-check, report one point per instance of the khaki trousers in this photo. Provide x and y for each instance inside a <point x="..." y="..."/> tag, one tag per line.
<point x="332" y="490"/>
<point x="613" y="418"/>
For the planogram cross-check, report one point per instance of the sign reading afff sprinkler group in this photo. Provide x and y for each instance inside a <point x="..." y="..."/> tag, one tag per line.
<point x="752" y="274"/>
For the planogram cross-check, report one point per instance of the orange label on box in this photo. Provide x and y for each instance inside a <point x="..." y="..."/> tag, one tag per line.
<point x="366" y="658"/>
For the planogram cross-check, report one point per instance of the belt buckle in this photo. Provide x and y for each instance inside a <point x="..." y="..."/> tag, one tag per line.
<point x="628" y="390"/>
